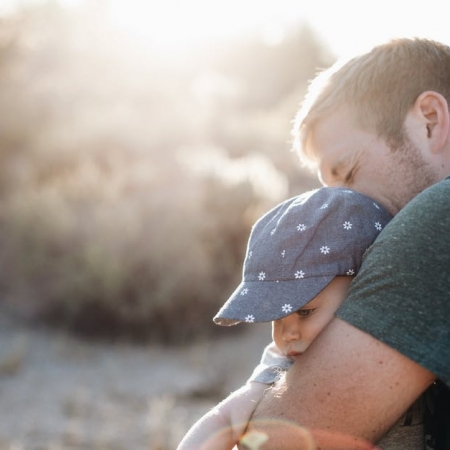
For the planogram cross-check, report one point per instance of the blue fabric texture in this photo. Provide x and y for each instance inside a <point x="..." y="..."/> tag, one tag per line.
<point x="273" y="364"/>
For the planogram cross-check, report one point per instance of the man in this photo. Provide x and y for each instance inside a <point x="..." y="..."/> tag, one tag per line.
<point x="379" y="124"/>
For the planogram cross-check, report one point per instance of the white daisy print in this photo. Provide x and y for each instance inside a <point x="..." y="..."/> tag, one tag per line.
<point x="347" y="225"/>
<point x="376" y="206"/>
<point x="378" y="226"/>
<point x="249" y="318"/>
<point x="283" y="253"/>
<point x="250" y="254"/>
<point x="324" y="249"/>
<point x="244" y="291"/>
<point x="273" y="232"/>
<point x="324" y="206"/>
<point x="262" y="276"/>
<point x="301" y="227"/>
<point x="299" y="274"/>
<point x="286" y="308"/>
<point x="350" y="272"/>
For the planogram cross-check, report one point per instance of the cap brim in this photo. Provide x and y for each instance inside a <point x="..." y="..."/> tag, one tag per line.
<point x="265" y="301"/>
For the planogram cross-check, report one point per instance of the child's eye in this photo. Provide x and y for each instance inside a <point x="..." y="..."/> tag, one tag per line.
<point x="305" y="312"/>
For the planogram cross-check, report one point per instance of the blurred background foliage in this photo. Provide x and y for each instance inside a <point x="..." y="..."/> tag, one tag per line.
<point x="129" y="180"/>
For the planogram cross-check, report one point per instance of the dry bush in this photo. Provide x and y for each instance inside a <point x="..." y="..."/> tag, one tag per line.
<point x="111" y="224"/>
<point x="106" y="255"/>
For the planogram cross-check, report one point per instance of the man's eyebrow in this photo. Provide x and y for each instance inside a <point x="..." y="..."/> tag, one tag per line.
<point x="350" y="174"/>
<point x="339" y="166"/>
<point x="334" y="171"/>
<point x="345" y="167"/>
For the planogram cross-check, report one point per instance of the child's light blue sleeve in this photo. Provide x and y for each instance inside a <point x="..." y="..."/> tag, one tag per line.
<point x="272" y="364"/>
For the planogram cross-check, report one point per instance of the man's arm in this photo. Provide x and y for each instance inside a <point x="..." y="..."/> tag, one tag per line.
<point x="347" y="389"/>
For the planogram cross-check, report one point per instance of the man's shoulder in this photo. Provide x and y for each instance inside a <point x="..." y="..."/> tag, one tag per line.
<point x="433" y="201"/>
<point x="441" y="186"/>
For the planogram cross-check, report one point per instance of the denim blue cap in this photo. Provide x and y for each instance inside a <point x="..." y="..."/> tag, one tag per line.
<point x="296" y="249"/>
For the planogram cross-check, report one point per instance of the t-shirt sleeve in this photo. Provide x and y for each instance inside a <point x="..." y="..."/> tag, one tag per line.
<point x="401" y="296"/>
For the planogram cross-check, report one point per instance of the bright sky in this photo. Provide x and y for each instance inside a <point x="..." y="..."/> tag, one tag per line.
<point x="346" y="27"/>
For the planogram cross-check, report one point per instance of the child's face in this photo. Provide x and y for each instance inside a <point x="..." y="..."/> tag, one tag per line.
<point x="294" y="333"/>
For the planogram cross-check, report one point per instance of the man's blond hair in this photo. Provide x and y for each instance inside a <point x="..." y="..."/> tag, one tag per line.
<point x="378" y="88"/>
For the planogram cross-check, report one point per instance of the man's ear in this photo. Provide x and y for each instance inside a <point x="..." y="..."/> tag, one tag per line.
<point x="432" y="110"/>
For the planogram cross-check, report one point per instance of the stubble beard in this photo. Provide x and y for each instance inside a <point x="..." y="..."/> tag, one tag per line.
<point x="413" y="172"/>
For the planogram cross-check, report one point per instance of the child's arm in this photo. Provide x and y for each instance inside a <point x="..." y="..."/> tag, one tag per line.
<point x="223" y="426"/>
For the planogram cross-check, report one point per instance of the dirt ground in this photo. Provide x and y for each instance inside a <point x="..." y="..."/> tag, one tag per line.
<point x="57" y="392"/>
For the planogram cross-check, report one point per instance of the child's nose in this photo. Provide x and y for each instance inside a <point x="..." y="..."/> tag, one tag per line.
<point x="291" y="332"/>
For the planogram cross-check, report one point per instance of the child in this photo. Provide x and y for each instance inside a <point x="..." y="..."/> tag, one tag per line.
<point x="300" y="260"/>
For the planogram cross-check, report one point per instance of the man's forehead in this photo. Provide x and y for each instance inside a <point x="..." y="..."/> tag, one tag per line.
<point x="335" y="162"/>
<point x="326" y="152"/>
<point x="335" y="137"/>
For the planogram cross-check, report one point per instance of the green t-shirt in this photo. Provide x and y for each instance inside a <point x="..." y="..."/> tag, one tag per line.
<point x="401" y="295"/>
